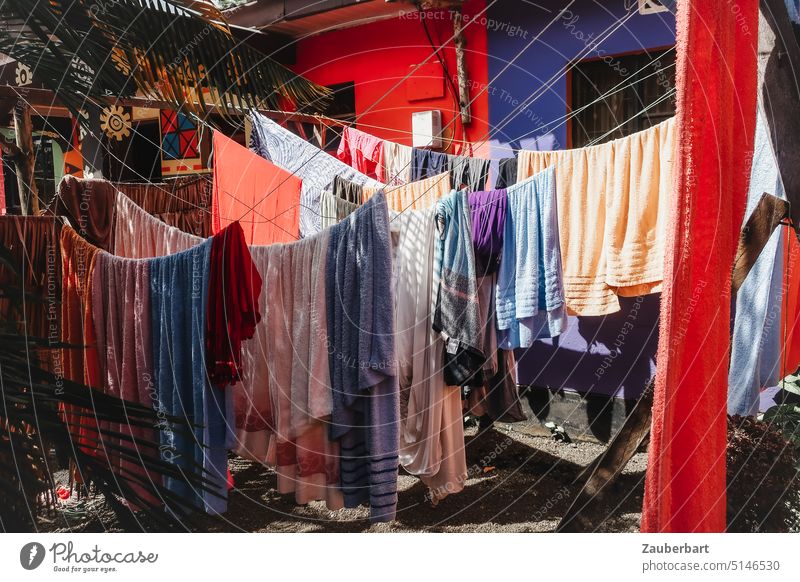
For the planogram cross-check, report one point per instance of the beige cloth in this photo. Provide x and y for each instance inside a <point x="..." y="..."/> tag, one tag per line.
<point x="414" y="195"/>
<point x="432" y="433"/>
<point x="334" y="209"/>
<point x="139" y="235"/>
<point x="613" y="209"/>
<point x="396" y="169"/>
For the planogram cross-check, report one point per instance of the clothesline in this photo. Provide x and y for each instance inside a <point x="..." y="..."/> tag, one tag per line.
<point x="604" y="35"/>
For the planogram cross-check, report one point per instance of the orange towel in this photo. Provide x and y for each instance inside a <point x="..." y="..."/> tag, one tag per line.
<point x="414" y="195"/>
<point x="77" y="328"/>
<point x="637" y="209"/>
<point x="613" y="204"/>
<point x="264" y="198"/>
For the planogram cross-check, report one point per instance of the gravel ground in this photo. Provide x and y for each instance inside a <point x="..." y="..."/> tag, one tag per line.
<point x="518" y="483"/>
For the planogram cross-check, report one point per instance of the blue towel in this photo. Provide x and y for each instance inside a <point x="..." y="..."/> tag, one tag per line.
<point x="756" y="345"/>
<point x="364" y="383"/>
<point x="179" y="299"/>
<point x="530" y="284"/>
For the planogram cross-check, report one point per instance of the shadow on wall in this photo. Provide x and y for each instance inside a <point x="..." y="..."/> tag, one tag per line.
<point x="594" y="372"/>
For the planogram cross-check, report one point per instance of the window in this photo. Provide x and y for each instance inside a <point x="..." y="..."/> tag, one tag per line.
<point x="640" y="88"/>
<point x="342" y="107"/>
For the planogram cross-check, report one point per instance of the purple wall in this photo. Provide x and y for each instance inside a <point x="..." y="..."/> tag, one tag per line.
<point x="527" y="100"/>
<point x="612" y="355"/>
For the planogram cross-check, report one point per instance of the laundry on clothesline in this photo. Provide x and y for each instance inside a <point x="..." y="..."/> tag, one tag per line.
<point x="362" y="151"/>
<point x="262" y="197"/>
<point x="432" y="429"/>
<point x="613" y="202"/>
<point x="316" y="168"/>
<point x="530" y="292"/>
<point x="191" y="360"/>
<point x="414" y="195"/>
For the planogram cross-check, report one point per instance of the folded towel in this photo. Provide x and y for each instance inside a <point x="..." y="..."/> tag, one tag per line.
<point x="247" y="188"/>
<point x="89" y="206"/>
<point x="347" y="190"/>
<point x="121" y="314"/>
<point x="506" y="173"/>
<point x="139" y="235"/>
<point x="469" y="173"/>
<point x="78" y="364"/>
<point x="178" y="293"/>
<point x="465" y="172"/>
<point x="334" y="209"/>
<point x="291" y="399"/>
<point x="183" y="202"/>
<point x="637" y="209"/>
<point x="427" y="163"/>
<point x="396" y="164"/>
<point x="530" y="292"/>
<point x="360" y="311"/>
<point x="414" y="195"/>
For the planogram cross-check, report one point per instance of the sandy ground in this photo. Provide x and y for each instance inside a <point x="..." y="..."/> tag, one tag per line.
<point x="518" y="483"/>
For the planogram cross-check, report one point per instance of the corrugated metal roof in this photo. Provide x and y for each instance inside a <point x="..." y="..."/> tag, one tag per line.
<point x="292" y="18"/>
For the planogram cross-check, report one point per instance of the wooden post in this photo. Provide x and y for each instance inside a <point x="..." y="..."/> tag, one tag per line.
<point x="780" y="96"/>
<point x="25" y="159"/>
<point x="461" y="67"/>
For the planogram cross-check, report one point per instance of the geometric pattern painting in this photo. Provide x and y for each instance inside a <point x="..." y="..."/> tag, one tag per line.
<point x="180" y="150"/>
<point x="178" y="136"/>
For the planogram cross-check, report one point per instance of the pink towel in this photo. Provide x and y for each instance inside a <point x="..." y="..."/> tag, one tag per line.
<point x="361" y="151"/>
<point x="121" y="313"/>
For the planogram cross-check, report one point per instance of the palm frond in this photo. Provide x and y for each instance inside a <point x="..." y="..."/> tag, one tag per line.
<point x="171" y="50"/>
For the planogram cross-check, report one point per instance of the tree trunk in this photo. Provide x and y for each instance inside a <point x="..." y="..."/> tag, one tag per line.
<point x="25" y="159"/>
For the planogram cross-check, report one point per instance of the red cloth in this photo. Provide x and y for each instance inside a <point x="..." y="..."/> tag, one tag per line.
<point x="255" y="192"/>
<point x="361" y="151"/>
<point x="234" y="290"/>
<point x="790" y="321"/>
<point x="716" y="82"/>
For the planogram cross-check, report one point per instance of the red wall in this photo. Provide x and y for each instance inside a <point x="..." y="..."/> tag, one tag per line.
<point x="377" y="56"/>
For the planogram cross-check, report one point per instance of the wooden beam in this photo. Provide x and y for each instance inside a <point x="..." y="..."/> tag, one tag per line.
<point x="781" y="98"/>
<point x="582" y="513"/>
<point x="44" y="98"/>
<point x="25" y="160"/>
<point x="765" y="218"/>
<point x="461" y="67"/>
